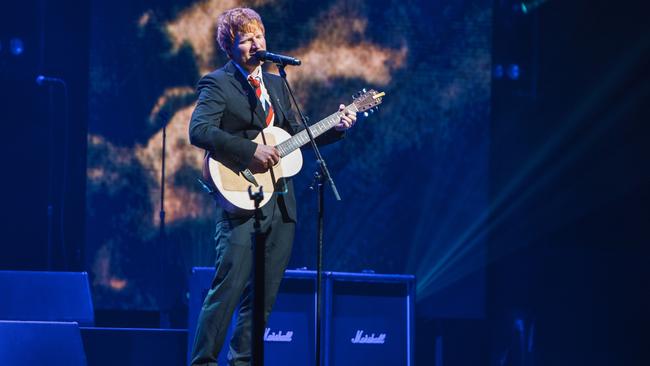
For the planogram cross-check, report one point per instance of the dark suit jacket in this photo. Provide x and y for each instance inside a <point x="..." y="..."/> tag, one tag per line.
<point x="228" y="116"/>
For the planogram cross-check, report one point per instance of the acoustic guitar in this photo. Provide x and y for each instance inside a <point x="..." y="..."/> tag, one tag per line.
<point x="231" y="186"/>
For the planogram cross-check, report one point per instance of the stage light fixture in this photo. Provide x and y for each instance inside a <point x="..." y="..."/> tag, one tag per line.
<point x="514" y="72"/>
<point x="528" y="6"/>
<point x="16" y="46"/>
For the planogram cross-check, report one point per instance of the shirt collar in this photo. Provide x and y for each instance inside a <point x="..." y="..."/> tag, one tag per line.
<point x="256" y="73"/>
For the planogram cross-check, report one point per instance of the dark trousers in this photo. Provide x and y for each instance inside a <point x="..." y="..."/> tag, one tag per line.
<point x="231" y="286"/>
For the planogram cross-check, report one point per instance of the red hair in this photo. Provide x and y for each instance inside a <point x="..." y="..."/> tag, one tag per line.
<point x="234" y="21"/>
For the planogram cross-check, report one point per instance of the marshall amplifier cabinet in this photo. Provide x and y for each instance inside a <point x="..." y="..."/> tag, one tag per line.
<point x="290" y="333"/>
<point x="370" y="319"/>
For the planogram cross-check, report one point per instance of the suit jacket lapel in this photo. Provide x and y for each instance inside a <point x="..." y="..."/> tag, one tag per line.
<point x="243" y="87"/>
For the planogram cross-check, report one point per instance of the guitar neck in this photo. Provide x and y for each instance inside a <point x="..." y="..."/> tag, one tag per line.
<point x="301" y="138"/>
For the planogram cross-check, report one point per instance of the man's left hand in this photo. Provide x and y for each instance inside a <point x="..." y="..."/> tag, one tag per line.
<point x="348" y="118"/>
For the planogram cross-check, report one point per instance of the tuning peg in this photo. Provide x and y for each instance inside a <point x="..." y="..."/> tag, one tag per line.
<point x="363" y="90"/>
<point x="365" y="114"/>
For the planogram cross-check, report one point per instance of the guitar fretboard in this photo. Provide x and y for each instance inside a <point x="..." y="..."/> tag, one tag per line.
<point x="317" y="129"/>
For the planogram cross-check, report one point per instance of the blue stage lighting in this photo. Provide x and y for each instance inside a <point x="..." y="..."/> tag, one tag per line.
<point x="529" y="6"/>
<point x="519" y="325"/>
<point x="513" y="71"/>
<point x="16" y="46"/>
<point x="498" y="71"/>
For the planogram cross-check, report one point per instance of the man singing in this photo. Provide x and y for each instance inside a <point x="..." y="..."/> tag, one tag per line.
<point x="224" y="122"/>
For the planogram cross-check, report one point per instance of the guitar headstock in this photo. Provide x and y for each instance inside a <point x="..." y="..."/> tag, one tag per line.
<point x="367" y="100"/>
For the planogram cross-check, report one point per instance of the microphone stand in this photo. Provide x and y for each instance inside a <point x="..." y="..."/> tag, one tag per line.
<point x="51" y="204"/>
<point x="258" y="280"/>
<point x="320" y="178"/>
<point x="163" y="308"/>
<point x="50" y="186"/>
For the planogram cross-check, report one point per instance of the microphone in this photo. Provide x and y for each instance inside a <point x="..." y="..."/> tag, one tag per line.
<point x="276" y="58"/>
<point x="41" y="80"/>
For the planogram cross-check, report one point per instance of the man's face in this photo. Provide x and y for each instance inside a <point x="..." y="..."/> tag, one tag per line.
<point x="244" y="47"/>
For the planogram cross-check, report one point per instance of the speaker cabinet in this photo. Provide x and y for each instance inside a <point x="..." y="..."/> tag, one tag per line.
<point x="367" y="319"/>
<point x="370" y="319"/>
<point x="290" y="333"/>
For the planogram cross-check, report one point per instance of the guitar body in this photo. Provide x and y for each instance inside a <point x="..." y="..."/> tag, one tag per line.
<point x="232" y="186"/>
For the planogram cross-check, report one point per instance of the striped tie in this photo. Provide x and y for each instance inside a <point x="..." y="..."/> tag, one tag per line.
<point x="255" y="82"/>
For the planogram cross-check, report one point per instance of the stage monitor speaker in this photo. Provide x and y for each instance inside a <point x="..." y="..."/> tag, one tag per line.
<point x="40" y="343"/>
<point x="134" y="346"/>
<point x="370" y="319"/>
<point x="290" y="333"/>
<point x="46" y="296"/>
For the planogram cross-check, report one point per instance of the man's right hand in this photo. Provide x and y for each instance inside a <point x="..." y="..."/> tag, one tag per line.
<point x="264" y="158"/>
